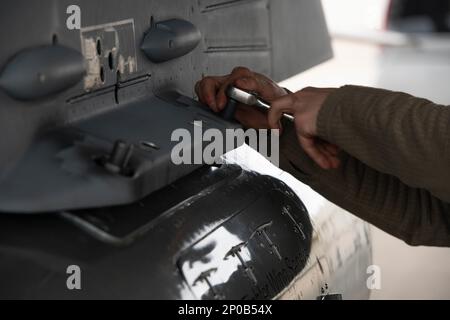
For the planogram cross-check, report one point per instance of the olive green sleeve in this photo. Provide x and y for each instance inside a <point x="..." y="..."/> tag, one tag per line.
<point x="412" y="214"/>
<point x="392" y="132"/>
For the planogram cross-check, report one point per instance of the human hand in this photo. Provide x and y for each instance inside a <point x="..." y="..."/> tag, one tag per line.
<point x="211" y="91"/>
<point x="304" y="106"/>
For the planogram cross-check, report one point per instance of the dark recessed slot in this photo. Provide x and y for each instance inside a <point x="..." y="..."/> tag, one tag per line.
<point x="99" y="47"/>
<point x="102" y="74"/>
<point x="111" y="61"/>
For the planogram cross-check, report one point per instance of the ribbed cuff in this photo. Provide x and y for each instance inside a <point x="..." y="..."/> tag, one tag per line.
<point x="328" y="111"/>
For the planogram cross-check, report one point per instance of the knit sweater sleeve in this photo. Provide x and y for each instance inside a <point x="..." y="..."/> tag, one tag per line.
<point x="392" y="132"/>
<point x="378" y="179"/>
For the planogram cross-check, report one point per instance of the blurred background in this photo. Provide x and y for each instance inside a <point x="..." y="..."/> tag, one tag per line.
<point x="398" y="45"/>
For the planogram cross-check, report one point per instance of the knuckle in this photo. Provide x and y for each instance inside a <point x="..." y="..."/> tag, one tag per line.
<point x="275" y="106"/>
<point x="252" y="81"/>
<point x="241" y="70"/>
<point x="291" y="98"/>
<point x="207" y="79"/>
<point x="296" y="98"/>
<point x="247" y="81"/>
<point x="223" y="87"/>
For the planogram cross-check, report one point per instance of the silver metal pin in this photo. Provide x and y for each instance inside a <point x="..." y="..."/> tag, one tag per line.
<point x="250" y="99"/>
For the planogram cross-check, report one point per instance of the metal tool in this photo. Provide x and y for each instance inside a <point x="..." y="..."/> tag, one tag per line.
<point x="250" y="99"/>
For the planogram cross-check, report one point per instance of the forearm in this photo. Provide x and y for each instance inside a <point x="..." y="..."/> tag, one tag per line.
<point x="411" y="214"/>
<point x="392" y="132"/>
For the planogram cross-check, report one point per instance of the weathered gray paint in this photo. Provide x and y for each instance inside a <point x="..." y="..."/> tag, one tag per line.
<point x="162" y="244"/>
<point x="279" y="38"/>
